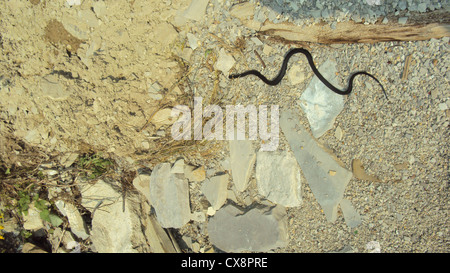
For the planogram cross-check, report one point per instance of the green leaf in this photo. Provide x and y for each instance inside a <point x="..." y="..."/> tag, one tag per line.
<point x="23" y="203"/>
<point x="45" y="215"/>
<point x="55" y="220"/>
<point x="8" y="171"/>
<point x="40" y="204"/>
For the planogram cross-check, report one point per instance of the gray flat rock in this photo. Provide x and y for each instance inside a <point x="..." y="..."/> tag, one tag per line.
<point x="351" y="216"/>
<point x="169" y="195"/>
<point x="225" y="62"/>
<point x="196" y="10"/>
<point x="242" y="159"/>
<point x="320" y="104"/>
<point x="278" y="178"/>
<point x="77" y="225"/>
<point x="142" y="184"/>
<point x="215" y="190"/>
<point x="258" y="229"/>
<point x="115" y="228"/>
<point x="326" y="178"/>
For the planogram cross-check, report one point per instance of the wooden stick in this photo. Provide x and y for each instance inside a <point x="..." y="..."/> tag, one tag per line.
<point x="420" y="26"/>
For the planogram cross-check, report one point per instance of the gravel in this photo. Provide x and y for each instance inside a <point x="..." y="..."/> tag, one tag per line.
<point x="305" y="12"/>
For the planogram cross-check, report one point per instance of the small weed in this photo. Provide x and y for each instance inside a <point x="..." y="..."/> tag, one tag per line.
<point x="42" y="205"/>
<point x="23" y="203"/>
<point x="94" y="165"/>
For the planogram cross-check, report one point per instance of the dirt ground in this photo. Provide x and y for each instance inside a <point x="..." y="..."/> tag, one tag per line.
<point x="77" y="78"/>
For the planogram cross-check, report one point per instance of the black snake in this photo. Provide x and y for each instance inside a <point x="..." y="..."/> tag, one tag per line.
<point x="282" y="72"/>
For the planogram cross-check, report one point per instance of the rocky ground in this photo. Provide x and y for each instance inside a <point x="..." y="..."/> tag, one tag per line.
<point x="87" y="91"/>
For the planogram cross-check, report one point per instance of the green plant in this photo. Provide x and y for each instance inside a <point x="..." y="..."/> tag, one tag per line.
<point x="94" y="165"/>
<point x="23" y="203"/>
<point x="45" y="213"/>
<point x="42" y="205"/>
<point x="25" y="233"/>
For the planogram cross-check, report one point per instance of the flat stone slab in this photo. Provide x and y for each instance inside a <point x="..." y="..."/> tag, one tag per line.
<point x="242" y="159"/>
<point x="351" y="216"/>
<point x="215" y="190"/>
<point x="169" y="195"/>
<point x="258" y="229"/>
<point x="326" y="178"/>
<point x="278" y="178"/>
<point x="115" y="228"/>
<point x="320" y="104"/>
<point x="77" y="225"/>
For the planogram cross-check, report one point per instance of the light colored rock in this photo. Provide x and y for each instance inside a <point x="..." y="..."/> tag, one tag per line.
<point x="68" y="159"/>
<point x="296" y="74"/>
<point x="225" y="163"/>
<point x="52" y="88"/>
<point x="194" y="174"/>
<point x="192" y="40"/>
<point x="122" y="229"/>
<point x="256" y="41"/>
<point x="169" y="195"/>
<point x="243" y="11"/>
<point x="186" y="54"/>
<point x="76" y="222"/>
<point x="31" y="248"/>
<point x="88" y="17"/>
<point x="73" y="2"/>
<point x="165" y="34"/>
<point x="259" y="229"/>
<point x="351" y="216"/>
<point x="145" y="145"/>
<point x="215" y="190"/>
<point x="443" y="106"/>
<point x="33" y="136"/>
<point x="100" y="194"/>
<point x="320" y="104"/>
<point x="242" y="159"/>
<point x="154" y="91"/>
<point x="373" y="2"/>
<point x="156" y="236"/>
<point x="178" y="166"/>
<point x="211" y="211"/>
<point x="402" y="20"/>
<point x="225" y="62"/>
<point x="100" y="8"/>
<point x="111" y="226"/>
<point x="422" y="7"/>
<point x="32" y="221"/>
<point x="163" y="117"/>
<point x="338" y="133"/>
<point x="195" y="247"/>
<point x="198" y="216"/>
<point x="278" y="178"/>
<point x="316" y="164"/>
<point x="267" y="49"/>
<point x="142" y="184"/>
<point x="196" y="10"/>
<point x="232" y="196"/>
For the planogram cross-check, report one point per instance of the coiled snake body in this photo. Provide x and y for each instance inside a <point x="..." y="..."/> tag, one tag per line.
<point x="282" y="72"/>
